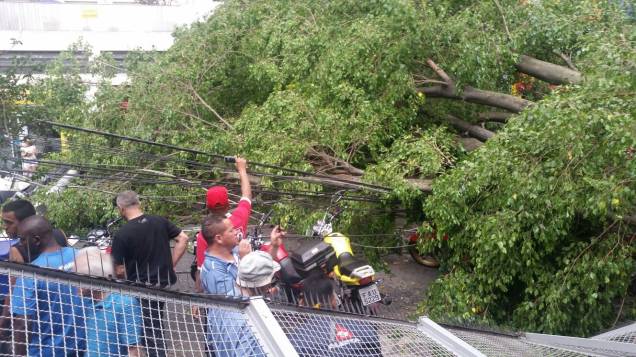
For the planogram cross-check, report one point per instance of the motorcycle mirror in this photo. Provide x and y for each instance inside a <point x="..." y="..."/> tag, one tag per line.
<point x="113" y="221"/>
<point x="266" y="216"/>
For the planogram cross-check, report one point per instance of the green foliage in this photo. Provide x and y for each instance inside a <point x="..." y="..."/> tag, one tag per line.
<point x="419" y="155"/>
<point x="535" y="217"/>
<point x="14" y="90"/>
<point x="77" y="211"/>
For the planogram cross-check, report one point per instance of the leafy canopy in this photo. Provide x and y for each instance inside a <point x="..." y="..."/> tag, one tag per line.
<point x="537" y="239"/>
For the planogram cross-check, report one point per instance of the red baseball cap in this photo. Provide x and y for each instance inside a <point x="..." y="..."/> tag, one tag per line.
<point x="216" y="197"/>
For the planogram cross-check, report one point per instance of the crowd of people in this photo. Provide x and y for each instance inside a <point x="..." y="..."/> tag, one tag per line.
<point x="41" y="318"/>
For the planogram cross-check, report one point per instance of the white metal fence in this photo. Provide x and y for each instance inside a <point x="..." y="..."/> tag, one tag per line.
<point x="72" y="315"/>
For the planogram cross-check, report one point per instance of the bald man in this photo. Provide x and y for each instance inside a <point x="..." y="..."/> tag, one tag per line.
<point x="48" y="311"/>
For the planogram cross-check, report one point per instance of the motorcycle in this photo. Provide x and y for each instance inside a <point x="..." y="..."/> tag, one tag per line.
<point x="101" y="237"/>
<point x="332" y="256"/>
<point x="290" y="279"/>
<point x="425" y="259"/>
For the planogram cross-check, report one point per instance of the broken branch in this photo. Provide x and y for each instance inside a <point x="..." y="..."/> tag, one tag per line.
<point x="474" y="130"/>
<point x="546" y="71"/>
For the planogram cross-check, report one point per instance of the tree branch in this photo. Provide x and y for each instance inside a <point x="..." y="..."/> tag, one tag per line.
<point x="431" y="81"/>
<point x="495" y="99"/>
<point x="500" y="117"/>
<point x="546" y="71"/>
<point x="335" y="163"/>
<point x="440" y="72"/>
<point x="474" y="130"/>
<point x="504" y="20"/>
<point x="334" y="183"/>
<point x="196" y="94"/>
<point x="567" y="60"/>
<point x="469" y="144"/>
<point x="472" y="95"/>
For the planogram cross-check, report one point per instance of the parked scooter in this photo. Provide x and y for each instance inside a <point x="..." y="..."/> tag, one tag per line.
<point x="356" y="278"/>
<point x="332" y="256"/>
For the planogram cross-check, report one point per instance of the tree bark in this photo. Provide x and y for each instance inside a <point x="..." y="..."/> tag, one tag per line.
<point x="334" y="163"/>
<point x="546" y="71"/>
<point x="499" y="117"/>
<point x="439" y="92"/>
<point x="470" y="144"/>
<point x="494" y="99"/>
<point x="472" y="95"/>
<point x="474" y="130"/>
<point x="423" y="184"/>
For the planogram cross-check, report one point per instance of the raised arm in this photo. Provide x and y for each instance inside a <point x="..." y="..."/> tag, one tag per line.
<point x="241" y="167"/>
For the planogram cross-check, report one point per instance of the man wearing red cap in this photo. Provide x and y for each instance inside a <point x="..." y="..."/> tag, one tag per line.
<point x="217" y="203"/>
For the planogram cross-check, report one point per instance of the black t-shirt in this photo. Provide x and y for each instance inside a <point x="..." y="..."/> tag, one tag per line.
<point x="142" y="245"/>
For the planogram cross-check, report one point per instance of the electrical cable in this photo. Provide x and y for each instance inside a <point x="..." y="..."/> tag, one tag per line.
<point x="177" y="179"/>
<point x="253" y="173"/>
<point x="216" y="156"/>
<point x="187" y="182"/>
<point x="101" y="150"/>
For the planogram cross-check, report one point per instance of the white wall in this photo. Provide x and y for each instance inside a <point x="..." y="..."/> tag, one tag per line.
<point x="115" y="27"/>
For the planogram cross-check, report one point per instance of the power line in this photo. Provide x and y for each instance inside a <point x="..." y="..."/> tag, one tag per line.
<point x="136" y="155"/>
<point x="371" y="187"/>
<point x="146" y="178"/>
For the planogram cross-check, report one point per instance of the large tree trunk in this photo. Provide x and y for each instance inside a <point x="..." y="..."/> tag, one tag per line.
<point x="546" y="71"/>
<point x="474" y="130"/>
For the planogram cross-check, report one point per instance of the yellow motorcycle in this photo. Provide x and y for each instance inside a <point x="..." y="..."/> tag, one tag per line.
<point x="355" y="278"/>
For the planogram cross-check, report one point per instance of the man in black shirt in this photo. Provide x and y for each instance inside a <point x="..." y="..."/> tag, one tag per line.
<point x="141" y="253"/>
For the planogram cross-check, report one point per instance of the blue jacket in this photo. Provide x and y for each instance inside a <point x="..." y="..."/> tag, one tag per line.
<point x="54" y="309"/>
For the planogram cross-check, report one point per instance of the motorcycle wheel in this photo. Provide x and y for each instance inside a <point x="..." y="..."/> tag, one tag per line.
<point x="426" y="260"/>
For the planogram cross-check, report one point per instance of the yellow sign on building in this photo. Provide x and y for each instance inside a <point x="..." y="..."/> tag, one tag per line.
<point x="89" y="14"/>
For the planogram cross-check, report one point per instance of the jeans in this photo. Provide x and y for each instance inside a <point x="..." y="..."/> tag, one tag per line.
<point x="153" y="313"/>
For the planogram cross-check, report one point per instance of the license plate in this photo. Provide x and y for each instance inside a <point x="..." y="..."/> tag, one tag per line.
<point x="369" y="295"/>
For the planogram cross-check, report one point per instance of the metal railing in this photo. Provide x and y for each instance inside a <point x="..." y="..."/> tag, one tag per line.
<point x="66" y="312"/>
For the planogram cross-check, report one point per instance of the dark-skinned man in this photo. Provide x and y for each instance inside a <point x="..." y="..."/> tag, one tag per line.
<point x="46" y="316"/>
<point x="14" y="212"/>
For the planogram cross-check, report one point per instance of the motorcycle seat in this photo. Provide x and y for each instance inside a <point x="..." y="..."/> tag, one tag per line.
<point x="348" y="263"/>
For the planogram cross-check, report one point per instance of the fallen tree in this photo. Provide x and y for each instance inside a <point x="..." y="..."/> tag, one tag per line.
<point x="345" y="88"/>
